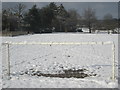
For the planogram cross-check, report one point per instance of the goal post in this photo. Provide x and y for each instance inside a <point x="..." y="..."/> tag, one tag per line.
<point x="7" y="44"/>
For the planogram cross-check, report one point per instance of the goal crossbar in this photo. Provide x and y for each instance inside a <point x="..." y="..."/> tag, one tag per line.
<point x="57" y="43"/>
<point x="63" y="43"/>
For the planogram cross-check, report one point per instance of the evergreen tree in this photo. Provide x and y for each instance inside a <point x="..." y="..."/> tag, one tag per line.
<point x="32" y="18"/>
<point x="46" y="17"/>
<point x="62" y="15"/>
<point x="53" y="7"/>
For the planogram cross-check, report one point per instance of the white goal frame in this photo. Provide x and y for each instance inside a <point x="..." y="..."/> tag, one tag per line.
<point x="61" y="43"/>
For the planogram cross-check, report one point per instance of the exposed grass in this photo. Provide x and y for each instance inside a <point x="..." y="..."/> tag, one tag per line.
<point x="13" y="33"/>
<point x="80" y="73"/>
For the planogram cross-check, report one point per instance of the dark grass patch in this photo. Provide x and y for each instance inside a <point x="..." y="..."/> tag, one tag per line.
<point x="70" y="73"/>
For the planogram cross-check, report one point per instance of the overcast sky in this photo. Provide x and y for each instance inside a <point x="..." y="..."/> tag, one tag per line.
<point x="101" y="8"/>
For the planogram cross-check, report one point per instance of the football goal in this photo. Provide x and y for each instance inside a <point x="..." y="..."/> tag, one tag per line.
<point x="55" y="47"/>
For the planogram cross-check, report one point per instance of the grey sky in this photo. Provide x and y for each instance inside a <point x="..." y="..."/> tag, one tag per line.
<point x="101" y="8"/>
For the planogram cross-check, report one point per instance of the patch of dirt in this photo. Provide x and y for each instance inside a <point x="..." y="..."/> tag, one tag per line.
<point x="68" y="56"/>
<point x="80" y="73"/>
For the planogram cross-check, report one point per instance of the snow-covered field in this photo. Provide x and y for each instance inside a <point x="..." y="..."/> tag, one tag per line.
<point x="27" y="60"/>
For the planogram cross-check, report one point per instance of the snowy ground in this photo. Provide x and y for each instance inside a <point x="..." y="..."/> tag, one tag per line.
<point x="53" y="59"/>
<point x="0" y="65"/>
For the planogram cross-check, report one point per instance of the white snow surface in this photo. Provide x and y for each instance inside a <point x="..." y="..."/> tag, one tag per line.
<point x="49" y="59"/>
<point x="0" y="65"/>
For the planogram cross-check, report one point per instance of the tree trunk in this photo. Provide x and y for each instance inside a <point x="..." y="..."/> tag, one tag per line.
<point x="113" y="31"/>
<point x="65" y="29"/>
<point x="108" y="32"/>
<point x="90" y="31"/>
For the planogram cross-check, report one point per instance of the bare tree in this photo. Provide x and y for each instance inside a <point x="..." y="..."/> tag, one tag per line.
<point x="74" y="16"/>
<point x="18" y="10"/>
<point x="72" y="20"/>
<point x="109" y="22"/>
<point x="89" y="18"/>
<point x="9" y="20"/>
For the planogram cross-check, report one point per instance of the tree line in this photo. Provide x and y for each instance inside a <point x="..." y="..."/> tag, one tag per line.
<point x="53" y="18"/>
